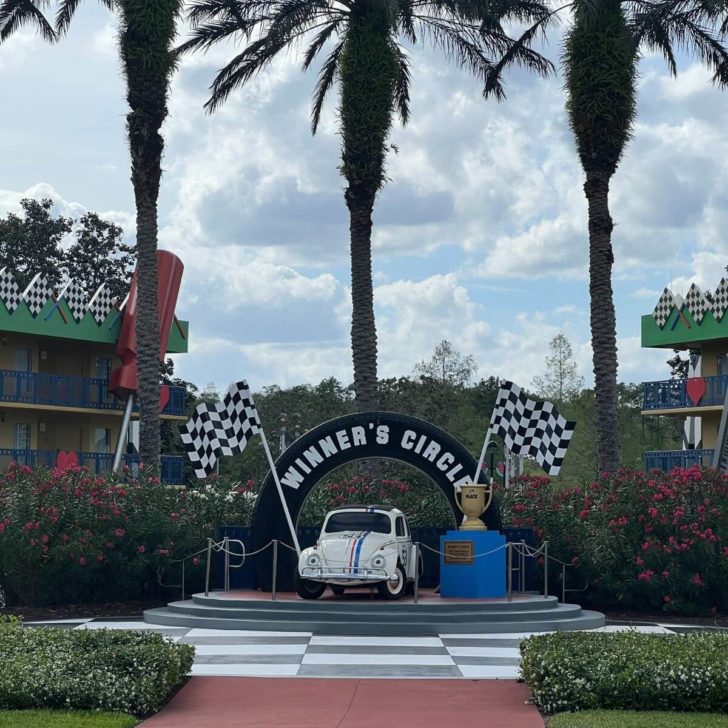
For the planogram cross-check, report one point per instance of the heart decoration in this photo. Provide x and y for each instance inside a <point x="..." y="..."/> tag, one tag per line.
<point x="65" y="460"/>
<point x="163" y="396"/>
<point x="695" y="388"/>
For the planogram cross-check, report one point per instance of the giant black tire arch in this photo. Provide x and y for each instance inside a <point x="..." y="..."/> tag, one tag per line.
<point x="345" y="440"/>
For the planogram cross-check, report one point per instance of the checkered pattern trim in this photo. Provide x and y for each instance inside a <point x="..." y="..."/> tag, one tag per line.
<point x="223" y="428"/>
<point x="37" y="294"/>
<point x="720" y="299"/>
<point x="75" y="297"/>
<point x="532" y="428"/>
<point x="697" y="303"/>
<point x="664" y="307"/>
<point x="101" y="303"/>
<point x="9" y="290"/>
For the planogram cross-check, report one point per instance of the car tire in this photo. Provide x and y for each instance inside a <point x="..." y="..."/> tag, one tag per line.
<point x="337" y="590"/>
<point x="308" y="589"/>
<point x="393" y="590"/>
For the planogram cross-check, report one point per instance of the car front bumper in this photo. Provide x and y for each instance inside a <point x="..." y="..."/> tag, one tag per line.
<point x="319" y="573"/>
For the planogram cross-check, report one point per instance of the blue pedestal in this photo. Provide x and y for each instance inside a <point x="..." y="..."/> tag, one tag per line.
<point x="484" y="576"/>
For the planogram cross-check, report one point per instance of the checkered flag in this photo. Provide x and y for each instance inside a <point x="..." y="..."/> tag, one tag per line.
<point x="696" y="303"/>
<point x="223" y="428"/>
<point x="101" y="303"/>
<point x="720" y="300"/>
<point x="75" y="298"/>
<point x="664" y="307"/>
<point x="37" y="294"/>
<point x="532" y="428"/>
<point x="9" y="290"/>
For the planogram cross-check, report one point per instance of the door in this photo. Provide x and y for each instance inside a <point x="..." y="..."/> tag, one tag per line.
<point x="24" y="364"/>
<point x="21" y="443"/>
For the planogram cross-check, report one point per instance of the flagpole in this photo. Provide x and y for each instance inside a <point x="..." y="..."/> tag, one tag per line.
<point x="280" y="491"/>
<point x="476" y="479"/>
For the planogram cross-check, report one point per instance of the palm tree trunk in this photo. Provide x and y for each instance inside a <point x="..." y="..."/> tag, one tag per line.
<point x="147" y="34"/>
<point x="363" y="327"/>
<point x="368" y="79"/>
<point x="602" y="319"/>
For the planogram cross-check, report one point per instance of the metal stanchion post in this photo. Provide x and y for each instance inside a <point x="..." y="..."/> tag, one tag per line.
<point x="563" y="583"/>
<point x="545" y="569"/>
<point x="417" y="571"/>
<point x="183" y="579"/>
<point x="207" y="567"/>
<point x="275" y="568"/>
<point x="522" y="568"/>
<point x="227" y="564"/>
<point x="509" y="568"/>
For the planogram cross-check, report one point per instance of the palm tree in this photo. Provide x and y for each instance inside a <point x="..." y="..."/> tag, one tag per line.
<point x="372" y="69"/>
<point x="14" y="14"/>
<point x="601" y="55"/>
<point x="147" y="31"/>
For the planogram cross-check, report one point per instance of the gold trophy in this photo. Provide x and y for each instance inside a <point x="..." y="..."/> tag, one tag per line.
<point x="475" y="498"/>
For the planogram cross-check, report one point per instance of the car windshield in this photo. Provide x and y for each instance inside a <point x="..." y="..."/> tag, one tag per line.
<point x="358" y="521"/>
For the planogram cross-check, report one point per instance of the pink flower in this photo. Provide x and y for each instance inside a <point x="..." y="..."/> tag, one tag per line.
<point x="666" y="574"/>
<point x="666" y="599"/>
<point x="141" y="549"/>
<point x="119" y="532"/>
<point x="645" y="575"/>
<point x="696" y="580"/>
<point x="639" y="561"/>
<point x="82" y="561"/>
<point x="196" y="561"/>
<point x="652" y="511"/>
<point x="164" y="552"/>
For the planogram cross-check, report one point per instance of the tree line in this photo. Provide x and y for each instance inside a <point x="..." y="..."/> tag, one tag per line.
<point x="366" y="60"/>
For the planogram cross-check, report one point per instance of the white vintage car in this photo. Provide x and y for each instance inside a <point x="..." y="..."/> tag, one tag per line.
<point x="359" y="546"/>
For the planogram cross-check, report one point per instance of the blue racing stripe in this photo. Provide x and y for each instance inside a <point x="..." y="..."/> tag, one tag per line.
<point x="358" y="548"/>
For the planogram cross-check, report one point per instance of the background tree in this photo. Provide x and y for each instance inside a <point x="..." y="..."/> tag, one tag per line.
<point x="99" y="255"/>
<point x="601" y="54"/>
<point x="372" y="71"/>
<point x="32" y="243"/>
<point x="14" y="14"/>
<point x="448" y="366"/>
<point x="561" y="381"/>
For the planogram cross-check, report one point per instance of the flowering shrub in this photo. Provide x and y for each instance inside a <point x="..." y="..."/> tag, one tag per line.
<point x="422" y="502"/>
<point x="647" y="541"/>
<point x="67" y="536"/>
<point x="570" y="671"/>
<point x="114" y="670"/>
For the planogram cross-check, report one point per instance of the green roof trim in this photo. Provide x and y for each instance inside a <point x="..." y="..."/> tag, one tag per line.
<point x="21" y="321"/>
<point x="676" y="335"/>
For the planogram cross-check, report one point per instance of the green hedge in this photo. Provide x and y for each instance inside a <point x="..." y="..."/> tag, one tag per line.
<point x="570" y="671"/>
<point x="111" y="670"/>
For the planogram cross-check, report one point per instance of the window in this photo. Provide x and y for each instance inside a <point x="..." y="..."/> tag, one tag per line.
<point x="102" y="440"/>
<point x="21" y="438"/>
<point x="721" y="364"/>
<point x="103" y="367"/>
<point x="358" y="521"/>
<point x="24" y="363"/>
<point x="401" y="528"/>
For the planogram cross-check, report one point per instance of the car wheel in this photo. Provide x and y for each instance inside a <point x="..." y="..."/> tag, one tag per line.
<point x="308" y="589"/>
<point x="393" y="589"/>
<point x="338" y="590"/>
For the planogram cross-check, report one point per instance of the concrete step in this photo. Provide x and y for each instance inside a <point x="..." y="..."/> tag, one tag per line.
<point x="351" y="613"/>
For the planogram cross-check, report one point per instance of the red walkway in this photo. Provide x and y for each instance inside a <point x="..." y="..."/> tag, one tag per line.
<point x="237" y="702"/>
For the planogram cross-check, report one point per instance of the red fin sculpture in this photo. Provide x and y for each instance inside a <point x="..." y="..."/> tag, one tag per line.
<point x="124" y="381"/>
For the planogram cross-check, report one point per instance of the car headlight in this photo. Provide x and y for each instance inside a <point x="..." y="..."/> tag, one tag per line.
<point x="378" y="562"/>
<point x="313" y="560"/>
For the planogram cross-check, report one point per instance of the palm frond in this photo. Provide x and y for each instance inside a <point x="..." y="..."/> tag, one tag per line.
<point x="402" y="89"/>
<point x="325" y="81"/>
<point x="319" y="42"/>
<point x="206" y="35"/>
<point x="14" y="14"/>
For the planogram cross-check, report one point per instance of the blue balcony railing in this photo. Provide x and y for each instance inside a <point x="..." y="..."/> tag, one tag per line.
<point x="672" y="393"/>
<point x="669" y="459"/>
<point x="61" y="391"/>
<point x="171" y="471"/>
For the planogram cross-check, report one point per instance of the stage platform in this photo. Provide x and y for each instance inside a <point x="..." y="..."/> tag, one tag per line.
<point x="361" y="613"/>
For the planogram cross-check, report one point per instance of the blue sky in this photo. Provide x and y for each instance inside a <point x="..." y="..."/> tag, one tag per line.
<point x="480" y="235"/>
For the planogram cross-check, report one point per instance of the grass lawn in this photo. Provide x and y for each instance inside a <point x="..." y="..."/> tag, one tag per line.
<point x="63" y="719"/>
<point x="632" y="719"/>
